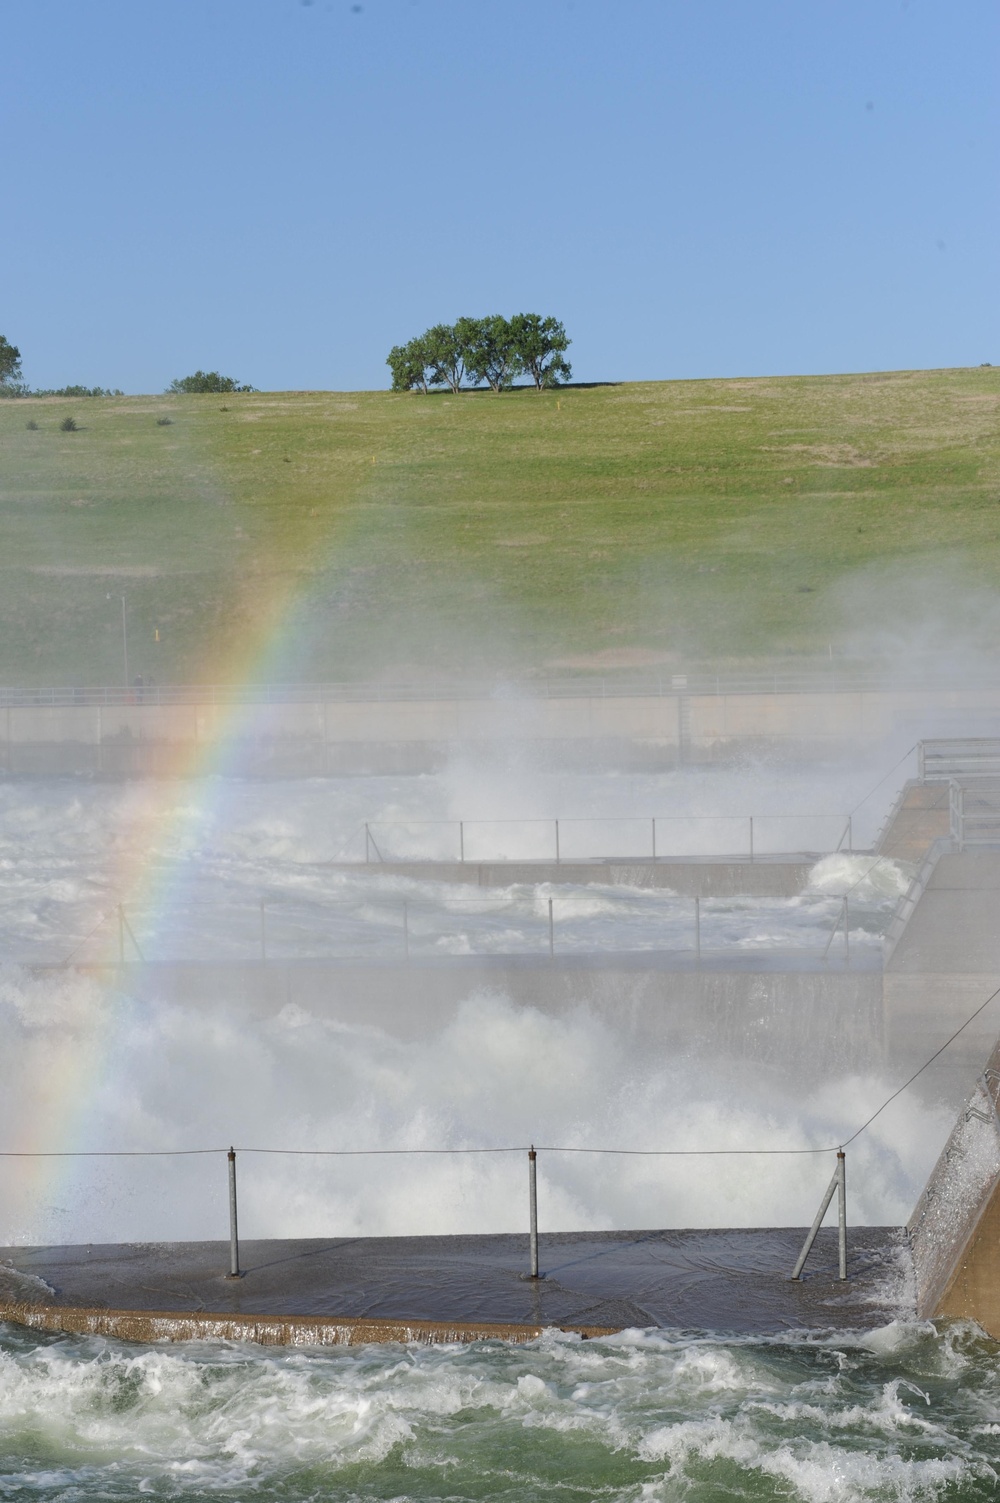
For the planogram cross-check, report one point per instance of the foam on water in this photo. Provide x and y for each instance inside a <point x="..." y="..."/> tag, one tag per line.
<point x="63" y="849"/>
<point x="642" y="1416"/>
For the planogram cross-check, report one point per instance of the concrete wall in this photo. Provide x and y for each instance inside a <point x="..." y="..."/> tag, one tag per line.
<point x="317" y="738"/>
<point x="955" y="1227"/>
<point x="695" y="879"/>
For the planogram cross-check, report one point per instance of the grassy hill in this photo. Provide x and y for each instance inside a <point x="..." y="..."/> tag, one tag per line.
<point x="339" y="535"/>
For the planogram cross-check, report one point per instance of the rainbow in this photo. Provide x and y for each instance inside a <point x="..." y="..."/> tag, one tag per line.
<point x="66" y="1080"/>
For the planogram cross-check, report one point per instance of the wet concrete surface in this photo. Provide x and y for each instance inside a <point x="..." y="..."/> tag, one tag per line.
<point x="734" y="1281"/>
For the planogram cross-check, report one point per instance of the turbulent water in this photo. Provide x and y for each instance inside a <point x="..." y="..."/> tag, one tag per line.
<point x="192" y="864"/>
<point x="900" y="1413"/>
<point x="87" y="1065"/>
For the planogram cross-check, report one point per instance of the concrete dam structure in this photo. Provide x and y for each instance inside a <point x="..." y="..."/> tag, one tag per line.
<point x="816" y="1014"/>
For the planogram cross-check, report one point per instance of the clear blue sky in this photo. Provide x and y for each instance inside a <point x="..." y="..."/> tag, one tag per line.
<point x="283" y="190"/>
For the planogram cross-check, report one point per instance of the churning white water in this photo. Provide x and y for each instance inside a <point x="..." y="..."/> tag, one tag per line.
<point x="192" y="864"/>
<point x="88" y="1065"/>
<point x="902" y="1413"/>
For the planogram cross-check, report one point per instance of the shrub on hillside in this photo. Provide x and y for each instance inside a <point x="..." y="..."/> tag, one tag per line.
<point x="206" y="381"/>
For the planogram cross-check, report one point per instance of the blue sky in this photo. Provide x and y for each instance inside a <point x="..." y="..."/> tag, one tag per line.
<point x="283" y="190"/>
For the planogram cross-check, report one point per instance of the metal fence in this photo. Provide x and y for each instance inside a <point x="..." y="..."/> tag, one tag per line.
<point x="840" y="677"/>
<point x="389" y="930"/>
<point x="660" y="837"/>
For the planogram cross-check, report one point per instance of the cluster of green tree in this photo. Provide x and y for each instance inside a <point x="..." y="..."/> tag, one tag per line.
<point x="75" y="391"/>
<point x="11" y="384"/>
<point x="10" y="368"/>
<point x="494" y="350"/>
<point x="207" y="381"/>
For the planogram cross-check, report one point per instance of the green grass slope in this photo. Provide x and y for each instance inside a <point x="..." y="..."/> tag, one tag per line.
<point x="341" y="535"/>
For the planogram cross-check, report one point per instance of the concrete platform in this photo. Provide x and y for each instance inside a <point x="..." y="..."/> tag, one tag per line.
<point x="349" y="1290"/>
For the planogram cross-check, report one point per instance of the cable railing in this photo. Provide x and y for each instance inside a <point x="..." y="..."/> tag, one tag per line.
<point x="839" y="677"/>
<point x="392" y="930"/>
<point x="837" y="1185"/>
<point x="616" y="837"/>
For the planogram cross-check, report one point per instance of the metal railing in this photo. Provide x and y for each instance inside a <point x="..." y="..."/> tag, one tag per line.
<point x="410" y="929"/>
<point x="975" y="812"/>
<point x="235" y="1271"/>
<point x="841" y="678"/>
<point x="958" y="757"/>
<point x="647" y="838"/>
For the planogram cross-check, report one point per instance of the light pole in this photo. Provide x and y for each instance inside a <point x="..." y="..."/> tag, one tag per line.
<point x="124" y="639"/>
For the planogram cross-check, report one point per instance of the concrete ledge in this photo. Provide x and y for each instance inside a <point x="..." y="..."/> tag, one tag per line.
<point x="783" y="876"/>
<point x="349" y="1290"/>
<point x="271" y="1330"/>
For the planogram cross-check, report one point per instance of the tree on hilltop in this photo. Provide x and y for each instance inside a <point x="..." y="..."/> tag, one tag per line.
<point x="408" y="363"/>
<point x="541" y="346"/>
<point x="491" y="354"/>
<point x="10" y="362"/>
<point x="446" y="348"/>
<point x="206" y="381"/>
<point x="493" y="349"/>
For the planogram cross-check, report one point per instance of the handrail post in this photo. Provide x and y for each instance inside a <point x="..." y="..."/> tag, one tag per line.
<point x="837" y="1184"/>
<point x="234" y="1240"/>
<point x="533" y="1214"/>
<point x="552" y="933"/>
<point x="461" y="840"/>
<point x="842" y="1214"/>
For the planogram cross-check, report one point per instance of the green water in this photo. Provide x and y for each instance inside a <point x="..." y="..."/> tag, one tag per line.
<point x="905" y="1412"/>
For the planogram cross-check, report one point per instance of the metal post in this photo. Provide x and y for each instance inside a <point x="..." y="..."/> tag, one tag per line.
<point x="697" y="930"/>
<point x="263" y="931"/>
<point x="842" y="1214"/>
<point x="847" y="935"/>
<point x="552" y="933"/>
<point x="838" y="1183"/>
<point x="121" y="934"/>
<point x="406" y="929"/>
<point x="557" y="842"/>
<point x="654" y="837"/>
<point x="751" y="837"/>
<point x="234" y="1240"/>
<point x="461" y="840"/>
<point x="533" y="1213"/>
